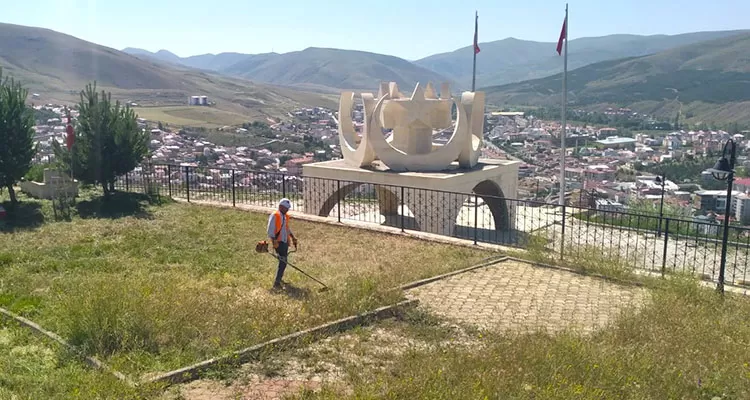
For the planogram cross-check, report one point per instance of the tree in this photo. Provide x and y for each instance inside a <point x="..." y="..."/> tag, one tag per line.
<point x="17" y="146"/>
<point x="283" y="159"/>
<point x="108" y="141"/>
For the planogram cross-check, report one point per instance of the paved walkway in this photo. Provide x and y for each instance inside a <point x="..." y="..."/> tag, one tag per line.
<point x="519" y="297"/>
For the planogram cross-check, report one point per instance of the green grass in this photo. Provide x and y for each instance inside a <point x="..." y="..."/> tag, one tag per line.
<point x="35" y="368"/>
<point x="688" y="343"/>
<point x="151" y="287"/>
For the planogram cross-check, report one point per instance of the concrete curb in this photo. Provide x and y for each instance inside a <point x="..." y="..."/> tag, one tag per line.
<point x="92" y="361"/>
<point x="193" y="372"/>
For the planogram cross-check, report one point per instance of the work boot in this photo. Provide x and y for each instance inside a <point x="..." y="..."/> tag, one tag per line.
<point x="276" y="287"/>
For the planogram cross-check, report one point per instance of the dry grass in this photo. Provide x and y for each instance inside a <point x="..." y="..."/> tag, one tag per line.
<point x="689" y="343"/>
<point x="153" y="287"/>
<point x="195" y="116"/>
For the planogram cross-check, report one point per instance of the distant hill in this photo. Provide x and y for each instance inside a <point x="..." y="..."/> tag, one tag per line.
<point x="208" y="62"/>
<point x="708" y="80"/>
<point x="513" y="60"/>
<point x="215" y="62"/>
<point x="48" y="59"/>
<point x="334" y="68"/>
<point x="58" y="66"/>
<point x="313" y="68"/>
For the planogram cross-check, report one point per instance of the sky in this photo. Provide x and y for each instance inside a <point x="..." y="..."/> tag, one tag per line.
<point x="410" y="29"/>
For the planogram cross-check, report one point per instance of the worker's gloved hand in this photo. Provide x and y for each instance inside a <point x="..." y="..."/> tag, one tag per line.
<point x="275" y="244"/>
<point x="294" y="242"/>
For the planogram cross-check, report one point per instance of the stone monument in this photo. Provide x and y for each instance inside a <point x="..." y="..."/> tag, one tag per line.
<point x="54" y="183"/>
<point x="431" y="180"/>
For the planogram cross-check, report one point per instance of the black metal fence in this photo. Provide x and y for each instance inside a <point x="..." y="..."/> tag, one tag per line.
<point x="603" y="236"/>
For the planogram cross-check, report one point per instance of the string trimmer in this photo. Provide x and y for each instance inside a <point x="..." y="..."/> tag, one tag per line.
<point x="262" y="247"/>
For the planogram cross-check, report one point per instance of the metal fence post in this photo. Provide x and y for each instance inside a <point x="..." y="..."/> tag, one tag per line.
<point x="664" y="254"/>
<point x="562" y="235"/>
<point x="187" y="180"/>
<point x="338" y="199"/>
<point x="403" y="211"/>
<point x="127" y="183"/>
<point x="476" y="217"/>
<point x="283" y="185"/>
<point x="169" y="178"/>
<point x="234" y="204"/>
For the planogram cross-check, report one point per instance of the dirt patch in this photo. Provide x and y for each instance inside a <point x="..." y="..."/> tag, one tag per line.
<point x="326" y="362"/>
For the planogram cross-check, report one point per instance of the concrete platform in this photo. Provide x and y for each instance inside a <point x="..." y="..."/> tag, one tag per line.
<point x="433" y="198"/>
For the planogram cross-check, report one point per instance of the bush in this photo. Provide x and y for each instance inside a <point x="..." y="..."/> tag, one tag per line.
<point x="36" y="172"/>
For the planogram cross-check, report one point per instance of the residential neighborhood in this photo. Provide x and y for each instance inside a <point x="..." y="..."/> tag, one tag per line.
<point x="603" y="168"/>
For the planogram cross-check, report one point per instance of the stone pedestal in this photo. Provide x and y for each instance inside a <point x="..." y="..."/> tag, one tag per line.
<point x="54" y="184"/>
<point x="434" y="199"/>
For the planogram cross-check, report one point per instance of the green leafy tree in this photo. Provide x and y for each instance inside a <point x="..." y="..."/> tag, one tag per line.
<point x="108" y="141"/>
<point x="17" y="146"/>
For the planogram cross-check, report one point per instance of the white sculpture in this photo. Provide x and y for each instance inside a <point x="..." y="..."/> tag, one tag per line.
<point x="412" y="119"/>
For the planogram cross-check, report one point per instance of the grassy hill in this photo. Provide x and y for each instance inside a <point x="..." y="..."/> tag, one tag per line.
<point x="709" y="81"/>
<point x="58" y="66"/>
<point x="313" y="68"/>
<point x="208" y="62"/>
<point x="346" y="69"/>
<point x="513" y="60"/>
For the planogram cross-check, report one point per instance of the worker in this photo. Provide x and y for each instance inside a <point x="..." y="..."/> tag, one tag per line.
<point x="280" y="232"/>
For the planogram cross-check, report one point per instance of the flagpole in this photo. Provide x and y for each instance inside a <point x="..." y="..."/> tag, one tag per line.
<point x="474" y="72"/>
<point x="564" y="113"/>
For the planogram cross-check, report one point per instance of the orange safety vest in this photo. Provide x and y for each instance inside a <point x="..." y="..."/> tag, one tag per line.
<point x="278" y="217"/>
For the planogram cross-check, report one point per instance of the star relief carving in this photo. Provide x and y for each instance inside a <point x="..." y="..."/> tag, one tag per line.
<point x="417" y="108"/>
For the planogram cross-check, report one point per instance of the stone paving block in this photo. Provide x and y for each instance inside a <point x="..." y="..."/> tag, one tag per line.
<point x="517" y="296"/>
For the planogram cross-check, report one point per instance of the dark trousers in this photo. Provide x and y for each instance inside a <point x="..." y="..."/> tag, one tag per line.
<point x="282" y="252"/>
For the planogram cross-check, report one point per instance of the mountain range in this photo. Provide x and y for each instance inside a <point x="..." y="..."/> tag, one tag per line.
<point x="316" y="68"/>
<point x="514" y="60"/>
<point x="57" y="66"/>
<point x="499" y="62"/>
<point x="707" y="81"/>
<point x="662" y="74"/>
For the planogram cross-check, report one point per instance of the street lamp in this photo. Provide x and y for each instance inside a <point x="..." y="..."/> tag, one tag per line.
<point x="661" y="180"/>
<point x="724" y="170"/>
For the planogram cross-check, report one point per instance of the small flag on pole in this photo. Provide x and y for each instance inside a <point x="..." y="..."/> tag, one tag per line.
<point x="476" y="50"/>
<point x="563" y="130"/>
<point x="476" y="34"/>
<point x="70" y="138"/>
<point x="563" y="36"/>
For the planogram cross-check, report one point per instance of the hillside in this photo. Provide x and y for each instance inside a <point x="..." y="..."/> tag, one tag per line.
<point x="706" y="79"/>
<point x="344" y="69"/>
<point x="58" y="66"/>
<point x="208" y="62"/>
<point x="45" y="59"/>
<point x="314" y="68"/>
<point x="513" y="60"/>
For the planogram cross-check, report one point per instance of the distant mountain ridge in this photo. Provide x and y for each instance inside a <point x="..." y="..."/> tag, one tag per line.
<point x="313" y="67"/>
<point x="514" y="60"/>
<point x="500" y="62"/>
<point x="58" y="66"/>
<point x="707" y="80"/>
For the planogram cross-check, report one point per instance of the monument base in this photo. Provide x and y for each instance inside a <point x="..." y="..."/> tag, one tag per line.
<point x="434" y="199"/>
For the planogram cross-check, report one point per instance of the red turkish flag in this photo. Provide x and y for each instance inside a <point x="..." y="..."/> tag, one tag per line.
<point x="563" y="36"/>
<point x="476" y="35"/>
<point x="70" y="137"/>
